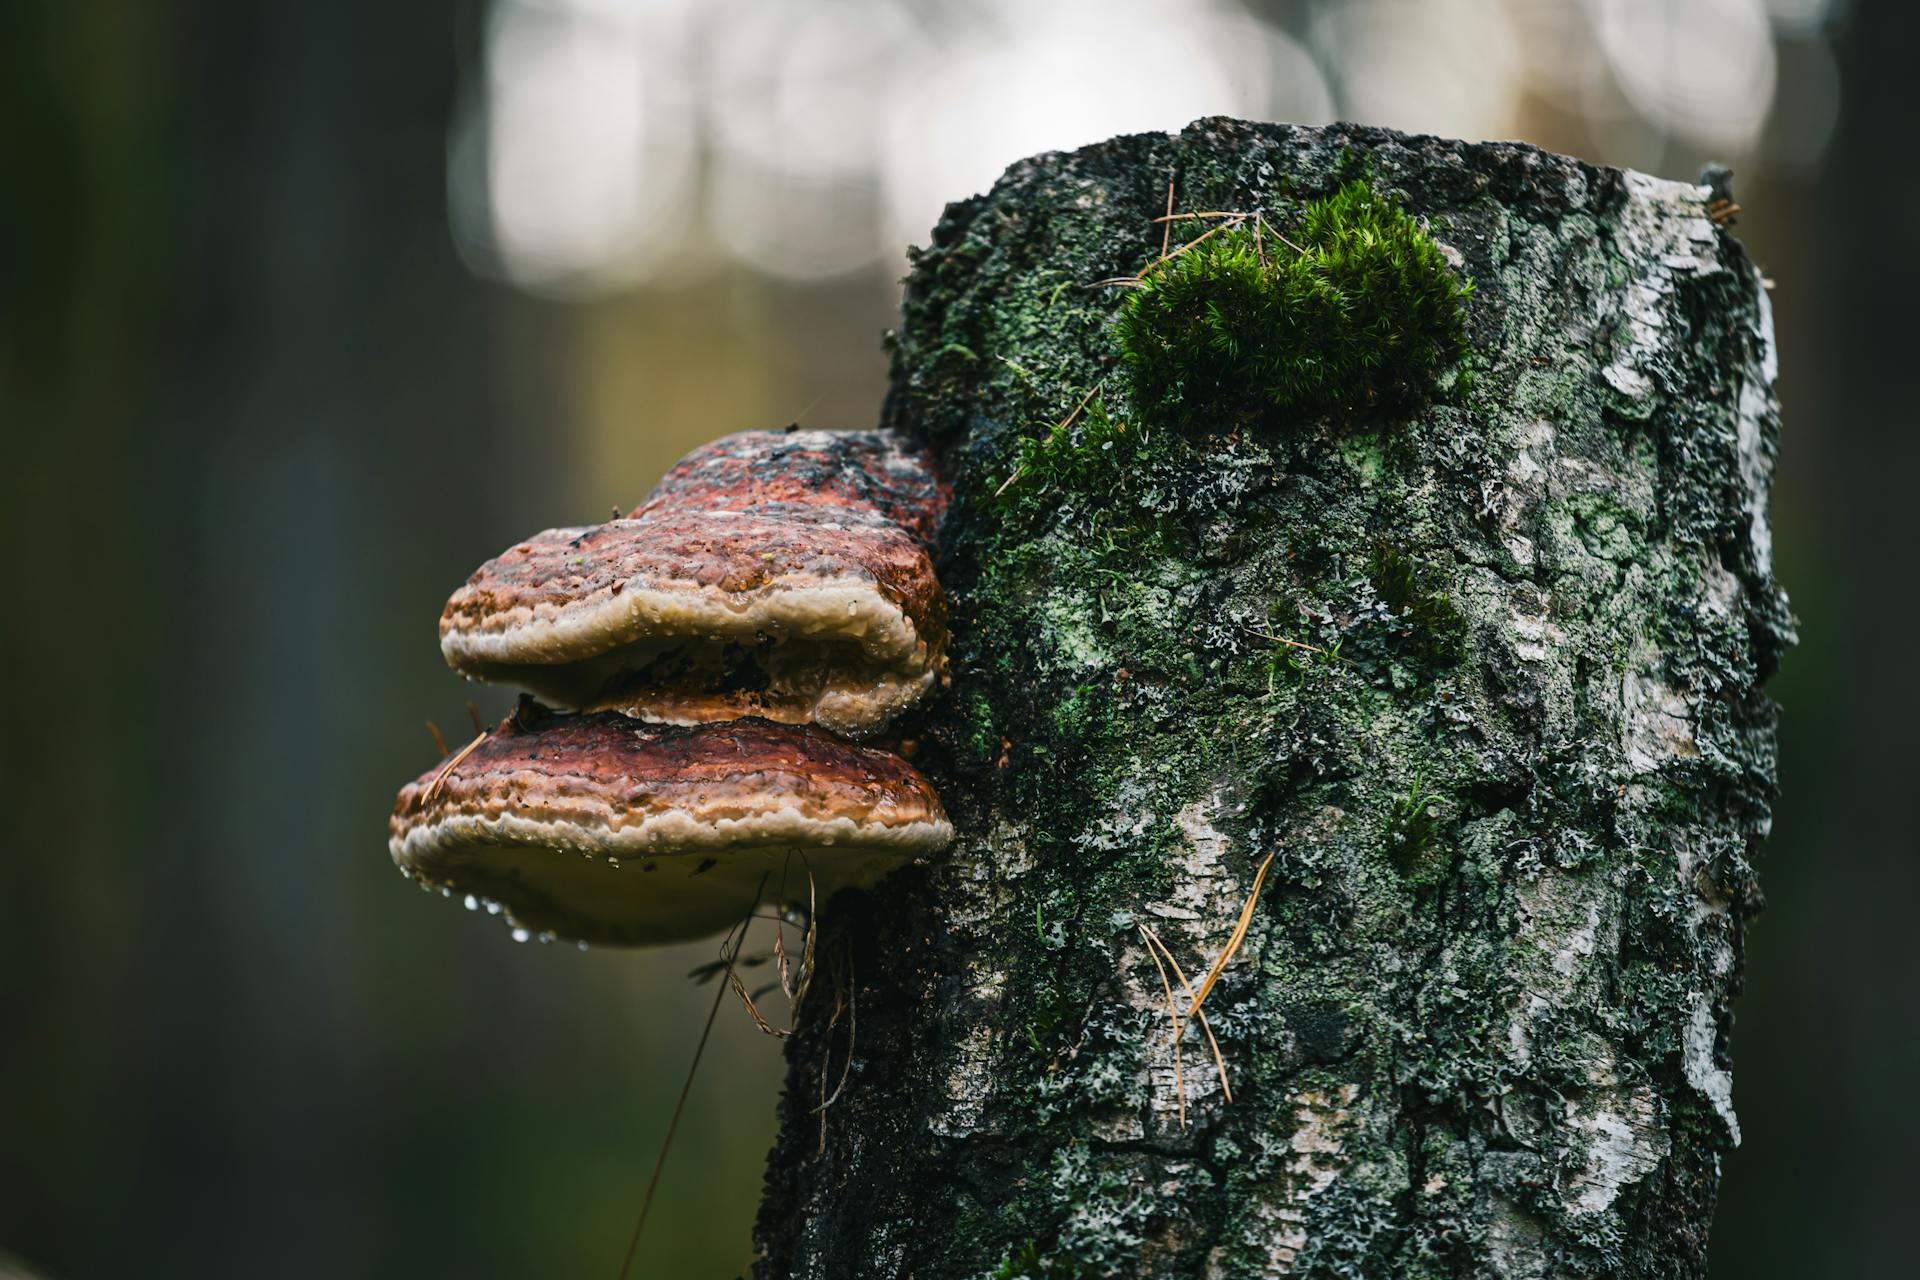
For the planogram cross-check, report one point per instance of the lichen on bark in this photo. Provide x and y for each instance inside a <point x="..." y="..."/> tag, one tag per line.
<point x="1512" y="788"/>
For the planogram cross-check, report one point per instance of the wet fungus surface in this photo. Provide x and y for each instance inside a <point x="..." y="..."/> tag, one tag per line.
<point x="608" y="830"/>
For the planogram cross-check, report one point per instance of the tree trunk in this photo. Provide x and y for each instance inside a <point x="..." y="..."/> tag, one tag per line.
<point x="1478" y="1024"/>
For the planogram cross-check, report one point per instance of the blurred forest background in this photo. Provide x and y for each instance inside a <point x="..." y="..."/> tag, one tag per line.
<point x="305" y="309"/>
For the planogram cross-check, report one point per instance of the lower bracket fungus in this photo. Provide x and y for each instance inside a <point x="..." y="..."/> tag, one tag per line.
<point x="604" y="829"/>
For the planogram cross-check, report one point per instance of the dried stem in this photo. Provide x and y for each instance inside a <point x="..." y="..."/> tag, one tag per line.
<point x="666" y="1143"/>
<point x="1292" y="644"/>
<point x="1173" y="1020"/>
<point x="1219" y="1063"/>
<point x="1233" y="943"/>
<point x="1166" y="231"/>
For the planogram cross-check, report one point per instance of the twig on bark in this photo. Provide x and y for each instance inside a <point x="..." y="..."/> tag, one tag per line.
<point x="1291" y="644"/>
<point x="1173" y="1020"/>
<point x="1260" y="221"/>
<point x="454" y="763"/>
<point x="1166" y="232"/>
<point x="1233" y="943"/>
<point x="797" y="991"/>
<point x="1203" y="213"/>
<point x="1140" y="278"/>
<point x="1061" y="425"/>
<point x="1161" y="261"/>
<point x="853" y="1033"/>
<point x="1219" y="1063"/>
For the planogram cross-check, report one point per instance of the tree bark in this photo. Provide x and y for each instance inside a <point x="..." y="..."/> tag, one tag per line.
<point x="1478" y="1025"/>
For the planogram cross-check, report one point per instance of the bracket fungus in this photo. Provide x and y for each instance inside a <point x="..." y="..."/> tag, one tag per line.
<point x="774" y="593"/>
<point x="777" y="574"/>
<point x="608" y="830"/>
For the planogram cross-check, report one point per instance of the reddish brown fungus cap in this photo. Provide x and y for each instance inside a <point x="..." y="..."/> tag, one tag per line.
<point x="779" y="574"/>
<point x="603" y="829"/>
<point x="877" y="473"/>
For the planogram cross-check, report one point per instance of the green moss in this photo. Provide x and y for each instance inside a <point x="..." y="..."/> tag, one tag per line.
<point x="1355" y="309"/>
<point x="1066" y="454"/>
<point x="1410" y="835"/>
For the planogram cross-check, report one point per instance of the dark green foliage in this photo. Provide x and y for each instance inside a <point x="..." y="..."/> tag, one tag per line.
<point x="1429" y="620"/>
<point x="1359" y="311"/>
<point x="1023" y="1263"/>
<point x="1410" y="831"/>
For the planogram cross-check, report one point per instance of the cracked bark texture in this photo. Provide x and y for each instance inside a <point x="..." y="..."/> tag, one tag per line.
<point x="1483" y="1038"/>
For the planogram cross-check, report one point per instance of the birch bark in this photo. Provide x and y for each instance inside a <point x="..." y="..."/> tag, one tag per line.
<point x="1478" y="1026"/>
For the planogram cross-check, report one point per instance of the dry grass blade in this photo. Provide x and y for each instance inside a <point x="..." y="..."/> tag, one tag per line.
<point x="753" y="1011"/>
<point x="1234" y="221"/>
<point x="808" y="946"/>
<point x="853" y="1032"/>
<point x="780" y="957"/>
<point x="849" y="1000"/>
<point x="447" y="768"/>
<point x="1219" y="1063"/>
<point x="1173" y="1020"/>
<point x="438" y="741"/>
<point x="1262" y="222"/>
<point x="1292" y="644"/>
<point x="1233" y="943"/>
<point x="1167" y="231"/>
<point x="473" y="714"/>
<point x="1205" y="213"/>
<point x="780" y="935"/>
<point x="826" y="1059"/>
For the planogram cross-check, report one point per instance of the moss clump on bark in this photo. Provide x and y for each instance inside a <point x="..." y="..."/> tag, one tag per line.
<point x="1356" y="309"/>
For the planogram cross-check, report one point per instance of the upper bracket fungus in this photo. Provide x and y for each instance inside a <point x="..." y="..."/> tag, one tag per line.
<point x="775" y="586"/>
<point x="777" y="574"/>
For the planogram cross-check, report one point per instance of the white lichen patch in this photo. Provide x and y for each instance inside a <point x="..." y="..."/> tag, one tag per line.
<point x="1129" y="814"/>
<point x="1562" y="919"/>
<point x="1197" y="889"/>
<point x="968" y="1082"/>
<point x="1706" y="901"/>
<point x="1524" y="486"/>
<point x="1658" y="723"/>
<point x="1072" y="643"/>
<point x="1322" y="1118"/>
<point x="1702" y="1065"/>
<point x="979" y="884"/>
<point x="1274" y="1229"/>
<point x="1620" y="1137"/>
<point x="1662" y="226"/>
<point x="1534" y="635"/>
